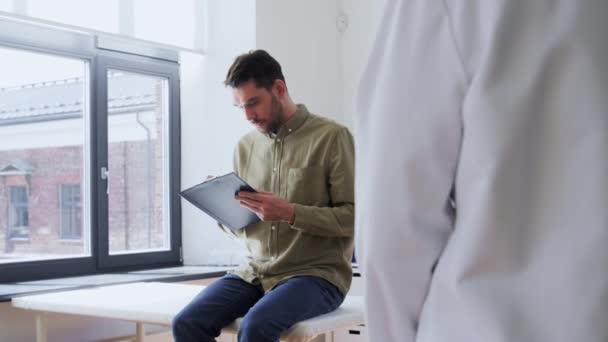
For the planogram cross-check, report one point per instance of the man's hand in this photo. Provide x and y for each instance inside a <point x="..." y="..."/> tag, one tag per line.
<point x="267" y="206"/>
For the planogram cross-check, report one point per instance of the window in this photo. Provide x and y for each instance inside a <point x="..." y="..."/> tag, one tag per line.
<point x="97" y="15"/>
<point x="89" y="156"/>
<point x="70" y="223"/>
<point x="18" y="213"/>
<point x="137" y="128"/>
<point x="139" y="19"/>
<point x="138" y="157"/>
<point x="43" y="143"/>
<point x="6" y="5"/>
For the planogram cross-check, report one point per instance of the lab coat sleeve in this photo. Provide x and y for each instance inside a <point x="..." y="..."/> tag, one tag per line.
<point x="408" y="133"/>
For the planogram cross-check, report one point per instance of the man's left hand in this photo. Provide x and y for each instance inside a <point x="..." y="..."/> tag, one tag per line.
<point x="267" y="206"/>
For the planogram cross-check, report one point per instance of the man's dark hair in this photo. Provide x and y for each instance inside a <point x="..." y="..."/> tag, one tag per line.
<point x="256" y="65"/>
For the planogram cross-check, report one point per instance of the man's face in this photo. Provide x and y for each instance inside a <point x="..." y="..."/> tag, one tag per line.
<point x="261" y="106"/>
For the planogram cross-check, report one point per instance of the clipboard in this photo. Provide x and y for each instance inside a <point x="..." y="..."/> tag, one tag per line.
<point x="215" y="197"/>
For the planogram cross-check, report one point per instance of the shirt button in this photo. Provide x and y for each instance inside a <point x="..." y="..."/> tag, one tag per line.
<point x="274" y="170"/>
<point x="289" y="130"/>
<point x="273" y="227"/>
<point x="278" y="140"/>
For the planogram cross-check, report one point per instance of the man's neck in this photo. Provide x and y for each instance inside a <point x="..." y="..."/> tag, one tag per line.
<point x="290" y="110"/>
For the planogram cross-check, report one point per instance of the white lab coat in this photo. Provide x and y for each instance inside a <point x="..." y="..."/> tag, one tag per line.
<point x="504" y="104"/>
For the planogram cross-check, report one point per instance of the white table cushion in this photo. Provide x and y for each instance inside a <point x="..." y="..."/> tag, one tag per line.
<point x="158" y="303"/>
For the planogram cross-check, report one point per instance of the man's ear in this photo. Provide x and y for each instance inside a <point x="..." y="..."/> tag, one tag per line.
<point x="280" y="88"/>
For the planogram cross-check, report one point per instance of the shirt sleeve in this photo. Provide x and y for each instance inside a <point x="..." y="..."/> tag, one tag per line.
<point x="408" y="133"/>
<point x="337" y="220"/>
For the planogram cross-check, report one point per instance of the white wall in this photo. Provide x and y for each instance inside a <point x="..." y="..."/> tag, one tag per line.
<point x="303" y="37"/>
<point x="363" y="19"/>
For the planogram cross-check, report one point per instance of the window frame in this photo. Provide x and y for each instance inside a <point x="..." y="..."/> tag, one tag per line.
<point x="83" y="46"/>
<point x="145" y="66"/>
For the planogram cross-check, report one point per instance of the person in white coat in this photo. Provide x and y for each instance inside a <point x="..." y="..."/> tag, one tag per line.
<point x="481" y="138"/>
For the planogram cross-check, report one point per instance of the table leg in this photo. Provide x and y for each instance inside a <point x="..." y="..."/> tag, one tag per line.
<point x="140" y="332"/>
<point x="41" y="327"/>
<point x="329" y="336"/>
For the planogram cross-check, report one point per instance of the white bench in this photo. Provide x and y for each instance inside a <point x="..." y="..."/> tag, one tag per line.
<point x="158" y="303"/>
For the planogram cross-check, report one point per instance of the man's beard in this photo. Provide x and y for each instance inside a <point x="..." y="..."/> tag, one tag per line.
<point x="276" y="116"/>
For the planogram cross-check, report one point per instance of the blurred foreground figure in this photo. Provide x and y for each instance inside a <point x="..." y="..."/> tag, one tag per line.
<point x="482" y="172"/>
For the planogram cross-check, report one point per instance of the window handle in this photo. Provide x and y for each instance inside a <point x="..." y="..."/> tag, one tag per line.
<point x="105" y="175"/>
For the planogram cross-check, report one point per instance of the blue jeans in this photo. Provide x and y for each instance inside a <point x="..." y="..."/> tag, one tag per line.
<point x="266" y="316"/>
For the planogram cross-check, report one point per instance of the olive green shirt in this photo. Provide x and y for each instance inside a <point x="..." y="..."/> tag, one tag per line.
<point x="309" y="162"/>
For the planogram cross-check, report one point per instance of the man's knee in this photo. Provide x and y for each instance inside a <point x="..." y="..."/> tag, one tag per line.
<point x="255" y="328"/>
<point x="181" y="325"/>
<point x="186" y="326"/>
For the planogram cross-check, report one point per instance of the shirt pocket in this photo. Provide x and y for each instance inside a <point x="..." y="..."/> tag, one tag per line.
<point x="307" y="186"/>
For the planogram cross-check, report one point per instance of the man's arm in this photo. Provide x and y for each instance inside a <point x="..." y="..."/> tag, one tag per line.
<point x="408" y="130"/>
<point x="338" y="219"/>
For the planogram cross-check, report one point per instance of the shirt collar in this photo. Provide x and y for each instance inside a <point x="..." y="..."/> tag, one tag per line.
<point x="293" y="123"/>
